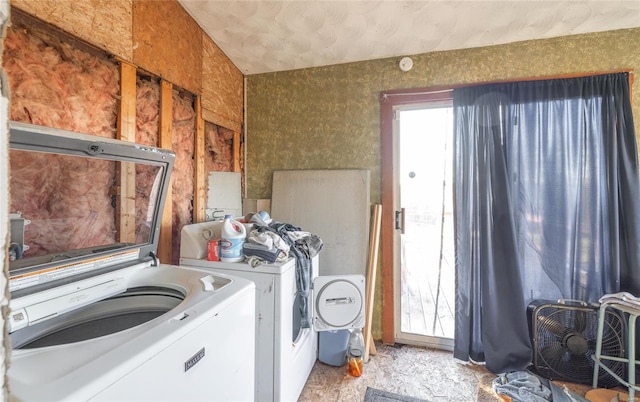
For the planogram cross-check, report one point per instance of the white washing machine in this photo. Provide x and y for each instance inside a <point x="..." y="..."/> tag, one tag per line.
<point x="285" y="352"/>
<point x="93" y="315"/>
<point x="196" y="345"/>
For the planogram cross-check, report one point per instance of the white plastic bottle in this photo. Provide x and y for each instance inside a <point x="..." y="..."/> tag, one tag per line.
<point x="232" y="239"/>
<point x="355" y="352"/>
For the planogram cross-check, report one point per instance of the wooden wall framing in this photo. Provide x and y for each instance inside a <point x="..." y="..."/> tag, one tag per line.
<point x="161" y="39"/>
<point x="105" y="24"/>
<point x="225" y="110"/>
<point x="164" y="141"/>
<point x="156" y="36"/>
<point x="199" y="175"/>
<point x="126" y="188"/>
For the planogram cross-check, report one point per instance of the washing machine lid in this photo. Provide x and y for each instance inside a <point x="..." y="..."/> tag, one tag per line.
<point x="82" y="205"/>
<point x="339" y="302"/>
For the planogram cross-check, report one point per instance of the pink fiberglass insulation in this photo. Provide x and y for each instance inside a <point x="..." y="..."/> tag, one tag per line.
<point x="183" y="137"/>
<point x="219" y="149"/>
<point x="218" y="145"/>
<point x="56" y="85"/>
<point x="147" y="111"/>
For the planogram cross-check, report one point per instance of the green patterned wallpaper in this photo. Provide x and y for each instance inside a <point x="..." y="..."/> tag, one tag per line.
<point x="329" y="117"/>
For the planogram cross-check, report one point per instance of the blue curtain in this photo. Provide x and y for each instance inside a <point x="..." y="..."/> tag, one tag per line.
<point x="547" y="206"/>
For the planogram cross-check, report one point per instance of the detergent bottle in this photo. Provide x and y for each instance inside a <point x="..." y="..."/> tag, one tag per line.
<point x="231" y="240"/>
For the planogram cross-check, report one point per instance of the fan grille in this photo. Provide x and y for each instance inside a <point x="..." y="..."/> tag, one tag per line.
<point x="565" y="341"/>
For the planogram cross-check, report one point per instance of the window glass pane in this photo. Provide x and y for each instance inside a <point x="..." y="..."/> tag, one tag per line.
<point x="66" y="206"/>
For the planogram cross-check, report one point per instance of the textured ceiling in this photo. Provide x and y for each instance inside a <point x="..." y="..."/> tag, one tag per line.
<point x="267" y="36"/>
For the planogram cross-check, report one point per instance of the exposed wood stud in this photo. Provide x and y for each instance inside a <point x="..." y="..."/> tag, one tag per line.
<point x="127" y="105"/>
<point x="236" y="151"/>
<point x="126" y="194"/>
<point x="200" y="177"/>
<point x="164" y="141"/>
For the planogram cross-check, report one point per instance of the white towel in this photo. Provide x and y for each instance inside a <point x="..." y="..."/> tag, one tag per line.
<point x="623" y="298"/>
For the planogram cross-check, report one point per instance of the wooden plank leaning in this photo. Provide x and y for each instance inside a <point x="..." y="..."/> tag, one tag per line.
<point x="372" y="265"/>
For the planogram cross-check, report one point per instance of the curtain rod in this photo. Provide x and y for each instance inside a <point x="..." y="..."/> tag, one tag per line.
<point x="445" y="89"/>
<point x="386" y="94"/>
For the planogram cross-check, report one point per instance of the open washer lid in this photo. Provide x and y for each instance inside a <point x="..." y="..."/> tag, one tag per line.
<point x="84" y="205"/>
<point x="338" y="302"/>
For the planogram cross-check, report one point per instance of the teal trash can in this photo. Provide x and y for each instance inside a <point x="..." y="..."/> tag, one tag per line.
<point x="332" y="349"/>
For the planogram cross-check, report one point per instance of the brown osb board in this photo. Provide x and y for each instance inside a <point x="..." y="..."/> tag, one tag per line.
<point x="222" y="88"/>
<point x="220" y="120"/>
<point x="608" y="395"/>
<point x="168" y="42"/>
<point x="428" y="374"/>
<point x="106" y="24"/>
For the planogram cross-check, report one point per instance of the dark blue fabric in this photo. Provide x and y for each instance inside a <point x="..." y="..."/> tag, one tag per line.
<point x="303" y="251"/>
<point x="546" y="205"/>
<point x="525" y="386"/>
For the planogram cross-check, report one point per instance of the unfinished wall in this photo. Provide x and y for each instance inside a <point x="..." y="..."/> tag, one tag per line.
<point x="147" y="111"/>
<point x="54" y="84"/>
<point x="329" y="117"/>
<point x="160" y="40"/>
<point x="147" y="116"/>
<point x="183" y="137"/>
<point x="168" y="43"/>
<point x="107" y="24"/>
<point x="159" y="37"/>
<point x="221" y="77"/>
<point x="219" y="149"/>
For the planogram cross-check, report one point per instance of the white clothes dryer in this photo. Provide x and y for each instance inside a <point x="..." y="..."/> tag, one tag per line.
<point x="285" y="352"/>
<point x="93" y="315"/>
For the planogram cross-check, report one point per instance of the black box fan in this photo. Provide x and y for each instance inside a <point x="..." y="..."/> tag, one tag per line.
<point x="564" y="335"/>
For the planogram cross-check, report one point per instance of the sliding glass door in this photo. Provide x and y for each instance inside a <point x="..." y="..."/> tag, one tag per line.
<point x="424" y="254"/>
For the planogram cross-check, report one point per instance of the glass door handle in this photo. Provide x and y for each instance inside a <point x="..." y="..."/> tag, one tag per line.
<point x="400" y="220"/>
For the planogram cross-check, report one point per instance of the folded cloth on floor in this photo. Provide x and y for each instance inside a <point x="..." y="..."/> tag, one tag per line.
<point x="624" y="298"/>
<point x="524" y="386"/>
